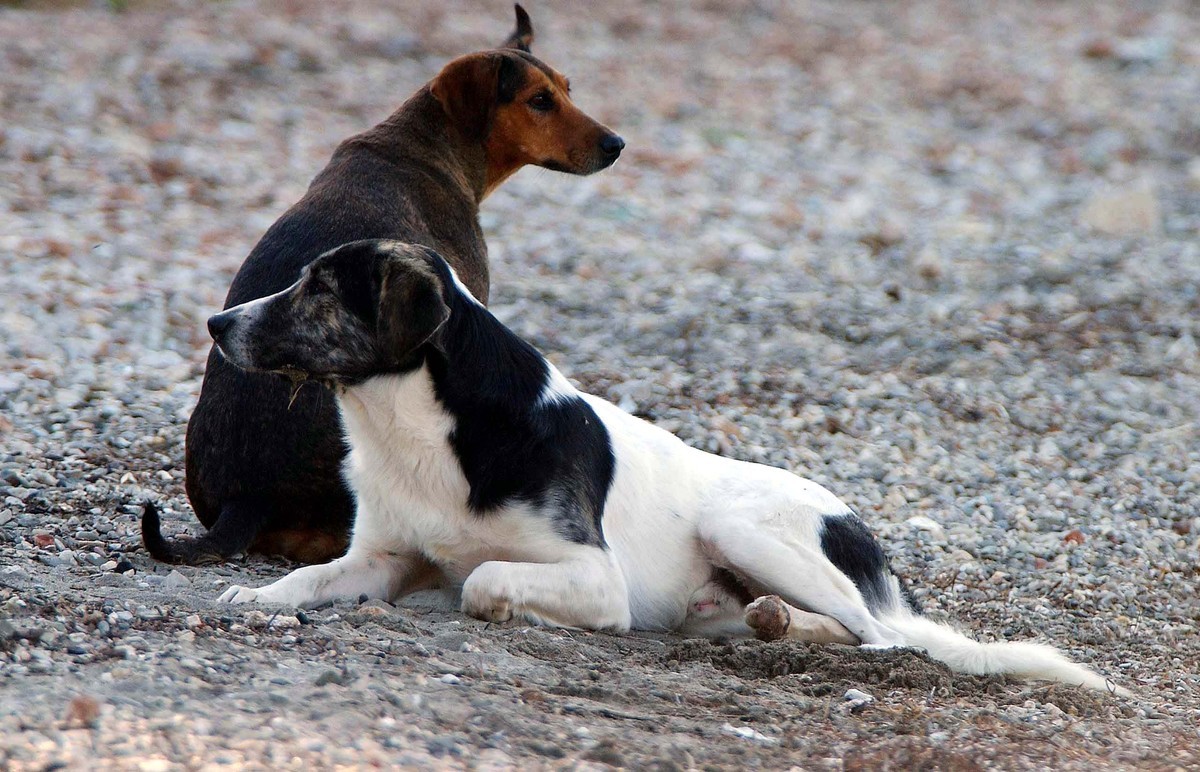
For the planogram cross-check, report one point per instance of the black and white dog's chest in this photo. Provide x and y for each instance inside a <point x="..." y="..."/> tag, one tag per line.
<point x="426" y="479"/>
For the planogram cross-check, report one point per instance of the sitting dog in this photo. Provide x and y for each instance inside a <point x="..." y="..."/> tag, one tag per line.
<point x="263" y="458"/>
<point x="475" y="463"/>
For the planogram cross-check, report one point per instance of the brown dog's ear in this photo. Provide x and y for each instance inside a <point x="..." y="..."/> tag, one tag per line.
<point x="522" y="36"/>
<point x="411" y="305"/>
<point x="470" y="87"/>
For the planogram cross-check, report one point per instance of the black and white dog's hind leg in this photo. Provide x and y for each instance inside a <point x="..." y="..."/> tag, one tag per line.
<point x="803" y="576"/>
<point x="714" y="611"/>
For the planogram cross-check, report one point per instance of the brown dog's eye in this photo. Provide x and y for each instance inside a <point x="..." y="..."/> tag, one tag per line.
<point x="542" y="103"/>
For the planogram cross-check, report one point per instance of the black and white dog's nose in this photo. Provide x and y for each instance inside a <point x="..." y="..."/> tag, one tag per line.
<point x="219" y="324"/>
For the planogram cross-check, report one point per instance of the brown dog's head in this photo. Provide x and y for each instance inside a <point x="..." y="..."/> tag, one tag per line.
<point x="520" y="110"/>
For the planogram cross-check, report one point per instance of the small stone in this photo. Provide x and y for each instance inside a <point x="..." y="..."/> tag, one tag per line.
<point x="193" y="621"/>
<point x="450" y="678"/>
<point x="82" y="711"/>
<point x="927" y="524"/>
<point x="255" y="618"/>
<point x="856" y="700"/>
<point x="369" y="609"/>
<point x="929" y="264"/>
<point x="1143" y="51"/>
<point x="176" y="581"/>
<point x="747" y="733"/>
<point x="337" y="677"/>
<point x="605" y="752"/>
<point x="43" y="477"/>
<point x="282" y="622"/>
<point x="1125" y="211"/>
<point x="124" y="565"/>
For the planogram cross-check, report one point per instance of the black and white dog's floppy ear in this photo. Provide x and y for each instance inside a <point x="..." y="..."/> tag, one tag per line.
<point x="522" y="35"/>
<point x="412" y="305"/>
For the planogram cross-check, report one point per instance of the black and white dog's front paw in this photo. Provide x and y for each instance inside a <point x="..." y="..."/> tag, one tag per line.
<point x="238" y="594"/>
<point x="485" y="596"/>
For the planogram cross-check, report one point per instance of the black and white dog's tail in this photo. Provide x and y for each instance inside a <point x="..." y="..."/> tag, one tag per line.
<point x="854" y="550"/>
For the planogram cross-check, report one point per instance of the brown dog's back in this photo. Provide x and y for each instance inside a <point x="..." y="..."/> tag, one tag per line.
<point x="264" y="460"/>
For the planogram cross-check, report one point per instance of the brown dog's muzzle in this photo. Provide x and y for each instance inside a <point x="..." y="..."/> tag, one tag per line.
<point x="611" y="146"/>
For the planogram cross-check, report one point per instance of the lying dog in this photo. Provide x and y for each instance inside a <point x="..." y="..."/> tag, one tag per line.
<point x="476" y="463"/>
<point x="263" y="457"/>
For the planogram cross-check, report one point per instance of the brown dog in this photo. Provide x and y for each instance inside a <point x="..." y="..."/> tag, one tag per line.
<point x="264" y="460"/>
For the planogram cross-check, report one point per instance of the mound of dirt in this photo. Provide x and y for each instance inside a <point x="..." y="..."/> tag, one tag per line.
<point x="832" y="667"/>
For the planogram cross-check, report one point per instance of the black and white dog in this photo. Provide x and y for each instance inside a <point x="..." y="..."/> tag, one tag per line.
<point x="475" y="463"/>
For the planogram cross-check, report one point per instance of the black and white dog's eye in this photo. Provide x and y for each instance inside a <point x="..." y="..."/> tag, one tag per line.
<point x="542" y="102"/>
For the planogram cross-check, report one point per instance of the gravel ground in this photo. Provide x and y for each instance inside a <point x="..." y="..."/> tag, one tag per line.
<point x="941" y="257"/>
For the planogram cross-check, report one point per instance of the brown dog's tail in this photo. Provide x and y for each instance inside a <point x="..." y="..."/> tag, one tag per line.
<point x="235" y="530"/>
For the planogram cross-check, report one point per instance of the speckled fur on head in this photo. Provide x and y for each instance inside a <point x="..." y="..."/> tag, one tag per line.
<point x="361" y="309"/>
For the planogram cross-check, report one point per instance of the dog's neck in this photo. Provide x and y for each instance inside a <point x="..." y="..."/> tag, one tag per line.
<point x="482" y="366"/>
<point x="419" y="133"/>
<point x="479" y="375"/>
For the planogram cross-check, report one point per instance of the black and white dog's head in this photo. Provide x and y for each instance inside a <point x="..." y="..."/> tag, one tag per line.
<point x="361" y="309"/>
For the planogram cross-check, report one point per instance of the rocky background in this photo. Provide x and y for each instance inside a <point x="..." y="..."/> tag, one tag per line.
<point x="941" y="257"/>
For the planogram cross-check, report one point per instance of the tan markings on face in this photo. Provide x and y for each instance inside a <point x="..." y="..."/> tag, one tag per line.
<point x="543" y="127"/>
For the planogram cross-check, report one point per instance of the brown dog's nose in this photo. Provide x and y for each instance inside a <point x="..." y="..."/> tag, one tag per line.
<point x="611" y="145"/>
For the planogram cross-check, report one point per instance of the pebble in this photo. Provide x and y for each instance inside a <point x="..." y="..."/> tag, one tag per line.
<point x="176" y="581"/>
<point x="1126" y="211"/>
<point x="748" y="733"/>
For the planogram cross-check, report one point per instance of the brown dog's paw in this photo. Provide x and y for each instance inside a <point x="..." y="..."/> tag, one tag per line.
<point x="769" y="618"/>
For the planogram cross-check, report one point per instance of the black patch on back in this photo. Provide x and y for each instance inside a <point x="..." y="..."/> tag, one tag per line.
<point x="557" y="456"/>
<point x="851" y="546"/>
